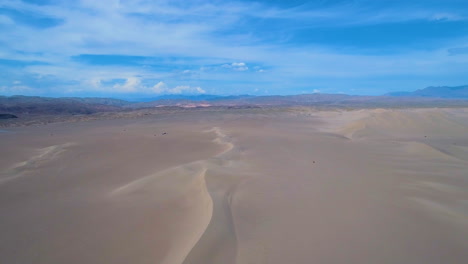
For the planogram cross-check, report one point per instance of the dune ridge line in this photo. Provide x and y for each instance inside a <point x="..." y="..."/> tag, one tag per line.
<point x="180" y="180"/>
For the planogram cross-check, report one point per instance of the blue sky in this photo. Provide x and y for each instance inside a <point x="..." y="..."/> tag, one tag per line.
<point x="142" y="48"/>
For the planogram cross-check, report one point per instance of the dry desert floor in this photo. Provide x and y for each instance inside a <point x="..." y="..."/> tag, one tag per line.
<point x="256" y="186"/>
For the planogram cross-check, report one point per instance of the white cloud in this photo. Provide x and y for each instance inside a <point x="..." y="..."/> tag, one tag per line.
<point x="236" y="66"/>
<point x="132" y="84"/>
<point x="239" y="66"/>
<point x="95" y="82"/>
<point x="162" y="88"/>
<point x="187" y="89"/>
<point x="446" y="16"/>
<point x="17" y="90"/>
<point x="316" y="91"/>
<point x="258" y="69"/>
<point x="136" y="85"/>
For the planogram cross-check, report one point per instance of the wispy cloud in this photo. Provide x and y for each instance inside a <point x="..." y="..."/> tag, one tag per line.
<point x="236" y="66"/>
<point x="230" y="46"/>
<point x="458" y="51"/>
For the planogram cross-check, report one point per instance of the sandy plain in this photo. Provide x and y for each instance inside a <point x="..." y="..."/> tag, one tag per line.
<point x="295" y="185"/>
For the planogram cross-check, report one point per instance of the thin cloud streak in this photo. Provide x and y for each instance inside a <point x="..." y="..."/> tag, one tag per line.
<point x="213" y="33"/>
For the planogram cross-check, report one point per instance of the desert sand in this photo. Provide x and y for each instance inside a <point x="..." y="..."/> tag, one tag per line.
<point x="296" y="185"/>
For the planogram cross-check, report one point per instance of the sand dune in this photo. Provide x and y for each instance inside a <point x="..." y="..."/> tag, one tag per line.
<point x="283" y="186"/>
<point x="401" y="123"/>
<point x="190" y="180"/>
<point x="185" y="183"/>
<point x="419" y="148"/>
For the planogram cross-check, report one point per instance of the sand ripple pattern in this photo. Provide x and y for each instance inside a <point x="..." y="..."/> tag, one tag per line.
<point x="44" y="156"/>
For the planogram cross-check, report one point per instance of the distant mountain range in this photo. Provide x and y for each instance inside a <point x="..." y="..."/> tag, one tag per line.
<point x="457" y="92"/>
<point x="48" y="105"/>
<point x="431" y="96"/>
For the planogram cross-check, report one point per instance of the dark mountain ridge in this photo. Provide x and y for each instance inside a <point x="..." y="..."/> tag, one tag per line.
<point x="47" y="105"/>
<point x="428" y="97"/>
<point x="456" y="92"/>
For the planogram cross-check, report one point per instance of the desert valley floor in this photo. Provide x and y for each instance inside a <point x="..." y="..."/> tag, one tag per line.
<point x="241" y="186"/>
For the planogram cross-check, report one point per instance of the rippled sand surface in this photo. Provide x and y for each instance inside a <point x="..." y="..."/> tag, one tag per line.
<point x="289" y="186"/>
